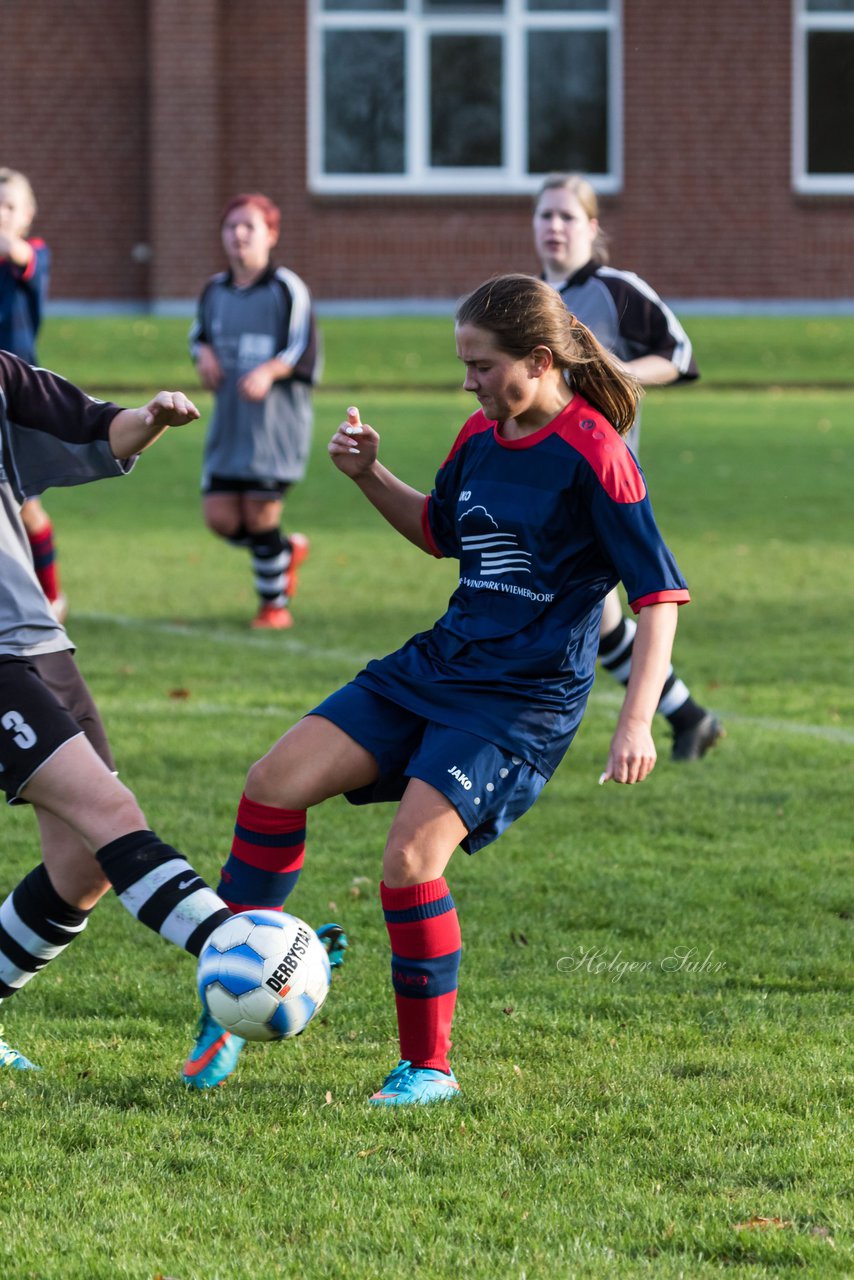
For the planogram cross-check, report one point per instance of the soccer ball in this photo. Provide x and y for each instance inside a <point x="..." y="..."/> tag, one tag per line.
<point x="263" y="975"/>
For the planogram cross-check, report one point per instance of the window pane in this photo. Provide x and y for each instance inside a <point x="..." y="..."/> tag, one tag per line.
<point x="463" y="6"/>
<point x="465" y="101"/>
<point x="830" y="6"/>
<point x="567" y="101"/>
<point x="569" y="6"/>
<point x="830" y="109"/>
<point x="355" y="5"/>
<point x="365" y="126"/>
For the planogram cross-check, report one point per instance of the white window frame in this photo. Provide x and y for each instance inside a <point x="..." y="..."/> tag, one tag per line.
<point x="420" y="179"/>
<point x="804" y="22"/>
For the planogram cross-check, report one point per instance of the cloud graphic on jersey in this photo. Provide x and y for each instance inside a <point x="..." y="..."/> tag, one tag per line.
<point x="499" y="552"/>
<point x="474" y="513"/>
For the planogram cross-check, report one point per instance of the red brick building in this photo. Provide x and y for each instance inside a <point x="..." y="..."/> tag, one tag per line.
<point x="403" y="138"/>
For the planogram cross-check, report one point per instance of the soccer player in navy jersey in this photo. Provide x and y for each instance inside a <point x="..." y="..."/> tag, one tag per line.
<point x="24" y="273"/>
<point x="546" y="509"/>
<point x="54" y="753"/>
<point x="631" y="321"/>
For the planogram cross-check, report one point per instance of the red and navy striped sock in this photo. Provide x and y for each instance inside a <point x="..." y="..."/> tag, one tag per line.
<point x="425" y="961"/>
<point x="266" y="856"/>
<point x="44" y="561"/>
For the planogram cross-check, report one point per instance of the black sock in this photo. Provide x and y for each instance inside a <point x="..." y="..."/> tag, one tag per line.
<point x="36" y="926"/>
<point x="157" y="885"/>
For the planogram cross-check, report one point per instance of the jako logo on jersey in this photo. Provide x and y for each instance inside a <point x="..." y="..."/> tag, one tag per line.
<point x="461" y="778"/>
<point x="499" y="552"/>
<point x="284" y="971"/>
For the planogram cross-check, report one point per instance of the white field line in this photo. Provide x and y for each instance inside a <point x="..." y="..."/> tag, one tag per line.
<point x="601" y="697"/>
<point x="257" y="639"/>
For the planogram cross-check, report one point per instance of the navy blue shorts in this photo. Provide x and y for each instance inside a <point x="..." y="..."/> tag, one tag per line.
<point x="488" y="786"/>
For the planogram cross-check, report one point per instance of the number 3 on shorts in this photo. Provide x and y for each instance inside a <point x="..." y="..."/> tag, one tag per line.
<point x="23" y="735"/>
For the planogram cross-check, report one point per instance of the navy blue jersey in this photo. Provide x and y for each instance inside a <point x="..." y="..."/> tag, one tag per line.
<point x="543" y="528"/>
<point x="22" y="294"/>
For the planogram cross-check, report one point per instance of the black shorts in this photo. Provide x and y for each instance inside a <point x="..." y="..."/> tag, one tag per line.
<point x="44" y="703"/>
<point x="261" y="489"/>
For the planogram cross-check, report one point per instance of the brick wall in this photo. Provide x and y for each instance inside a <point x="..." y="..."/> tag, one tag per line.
<point x="137" y="118"/>
<point x="75" y="101"/>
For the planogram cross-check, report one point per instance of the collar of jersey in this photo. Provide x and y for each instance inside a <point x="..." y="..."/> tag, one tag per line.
<point x="535" y="437"/>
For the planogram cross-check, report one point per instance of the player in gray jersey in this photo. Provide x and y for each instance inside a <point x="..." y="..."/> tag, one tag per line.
<point x="630" y="320"/>
<point x="255" y="345"/>
<point x="54" y="752"/>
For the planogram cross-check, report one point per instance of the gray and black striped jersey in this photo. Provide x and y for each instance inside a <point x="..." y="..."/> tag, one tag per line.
<point x="51" y="434"/>
<point x="246" y="326"/>
<point x="628" y="317"/>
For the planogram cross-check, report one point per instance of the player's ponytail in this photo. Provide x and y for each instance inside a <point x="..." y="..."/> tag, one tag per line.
<point x="596" y="375"/>
<point x="522" y="312"/>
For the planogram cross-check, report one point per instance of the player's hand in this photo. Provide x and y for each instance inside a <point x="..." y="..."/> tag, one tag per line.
<point x="208" y="367"/>
<point x="169" y="409"/>
<point x="255" y="384"/>
<point x="632" y="754"/>
<point x="354" y="446"/>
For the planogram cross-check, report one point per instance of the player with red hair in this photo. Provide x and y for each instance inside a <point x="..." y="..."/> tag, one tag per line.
<point x="255" y="345"/>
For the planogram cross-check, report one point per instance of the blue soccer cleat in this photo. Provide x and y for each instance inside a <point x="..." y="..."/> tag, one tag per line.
<point x="214" y="1055"/>
<point x="334" y="939"/>
<point x="10" y="1057"/>
<point x="415" y="1086"/>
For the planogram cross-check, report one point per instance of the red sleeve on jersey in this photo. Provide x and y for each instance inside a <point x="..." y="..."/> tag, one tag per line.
<point x="28" y="271"/>
<point x="661" y="597"/>
<point x="427" y="531"/>
<point x="607" y="453"/>
<point x="475" y="424"/>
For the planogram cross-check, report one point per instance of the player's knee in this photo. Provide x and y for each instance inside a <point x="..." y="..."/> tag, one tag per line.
<point x="222" y="525"/>
<point x="264" y="783"/>
<point x="403" y="864"/>
<point x="123" y="808"/>
<point x="258" y="523"/>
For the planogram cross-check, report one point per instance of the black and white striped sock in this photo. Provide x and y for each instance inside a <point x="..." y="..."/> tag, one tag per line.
<point x="157" y="885"/>
<point x="271" y="557"/>
<point x="36" y="926"/>
<point x="676" y="703"/>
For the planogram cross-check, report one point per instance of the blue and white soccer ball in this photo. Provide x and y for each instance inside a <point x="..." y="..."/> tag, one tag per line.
<point x="263" y="975"/>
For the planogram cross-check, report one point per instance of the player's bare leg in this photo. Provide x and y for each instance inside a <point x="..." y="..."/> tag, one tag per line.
<point x="74" y="873"/>
<point x="311" y="762"/>
<point x="76" y="787"/>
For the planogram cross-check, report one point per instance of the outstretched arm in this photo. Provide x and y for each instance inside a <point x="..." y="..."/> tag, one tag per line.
<point x="632" y="755"/>
<point x="651" y="371"/>
<point x="354" y="449"/>
<point x="133" y="430"/>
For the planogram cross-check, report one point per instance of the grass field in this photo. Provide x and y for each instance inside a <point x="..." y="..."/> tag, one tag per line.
<point x="654" y="1026"/>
